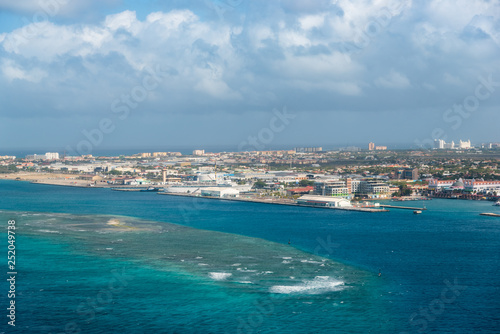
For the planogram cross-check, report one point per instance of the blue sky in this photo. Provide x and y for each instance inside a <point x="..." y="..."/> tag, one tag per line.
<point x="129" y="74"/>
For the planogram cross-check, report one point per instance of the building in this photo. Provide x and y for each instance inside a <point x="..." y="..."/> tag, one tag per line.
<point x="145" y="155"/>
<point x="441" y="144"/>
<point x="348" y="188"/>
<point x="407" y="174"/>
<point x="373" y="189"/>
<point x="198" y="152"/>
<point x="381" y="148"/>
<point x="482" y="186"/>
<point x="324" y="201"/>
<point x="90" y="177"/>
<point x="332" y="188"/>
<point x="439" y="185"/>
<point x="300" y="191"/>
<point x="51" y="156"/>
<point x="220" y="192"/>
<point x="464" y="144"/>
<point x="46" y="156"/>
<point x="371" y="146"/>
<point x="308" y="149"/>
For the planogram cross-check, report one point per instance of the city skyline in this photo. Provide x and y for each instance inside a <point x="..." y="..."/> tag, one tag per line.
<point x="120" y="74"/>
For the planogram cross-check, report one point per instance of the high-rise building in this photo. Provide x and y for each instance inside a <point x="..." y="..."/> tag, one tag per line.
<point x="371" y="146"/>
<point x="51" y="156"/>
<point x="198" y="152"/>
<point x="464" y="144"/>
<point x="406" y="174"/>
<point x="308" y="149"/>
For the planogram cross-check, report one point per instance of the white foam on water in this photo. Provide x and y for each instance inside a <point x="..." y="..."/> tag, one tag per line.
<point x="266" y="272"/>
<point x="236" y="264"/>
<point x="318" y="285"/>
<point x="286" y="258"/>
<point x="49" y="231"/>
<point x="219" y="276"/>
<point x="285" y="261"/>
<point x="310" y="261"/>
<point x="202" y="264"/>
<point x="198" y="257"/>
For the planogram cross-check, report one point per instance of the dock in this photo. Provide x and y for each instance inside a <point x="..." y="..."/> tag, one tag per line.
<point x="278" y="202"/>
<point x="126" y="189"/>
<point x="489" y="214"/>
<point x="401" y="207"/>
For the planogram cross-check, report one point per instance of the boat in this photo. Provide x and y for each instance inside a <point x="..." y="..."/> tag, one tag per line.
<point x="497" y="203"/>
<point x="417" y="212"/>
<point x="151" y="189"/>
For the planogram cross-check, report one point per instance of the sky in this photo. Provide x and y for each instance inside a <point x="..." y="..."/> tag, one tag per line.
<point x="88" y="75"/>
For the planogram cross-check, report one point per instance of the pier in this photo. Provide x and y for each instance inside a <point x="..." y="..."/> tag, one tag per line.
<point x="278" y="202"/>
<point x="489" y="214"/>
<point x="401" y="207"/>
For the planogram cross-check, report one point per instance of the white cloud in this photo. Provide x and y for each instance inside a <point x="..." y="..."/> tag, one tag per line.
<point x="13" y="71"/>
<point x="312" y="21"/>
<point x="394" y="80"/>
<point x="125" y="20"/>
<point x="272" y="58"/>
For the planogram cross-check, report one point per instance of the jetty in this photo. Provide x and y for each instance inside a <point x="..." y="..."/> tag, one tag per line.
<point x="277" y="202"/>
<point x="129" y="189"/>
<point x="401" y="207"/>
<point x="489" y="214"/>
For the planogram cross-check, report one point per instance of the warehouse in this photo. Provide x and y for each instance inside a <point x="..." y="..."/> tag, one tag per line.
<point x="220" y="192"/>
<point x="324" y="201"/>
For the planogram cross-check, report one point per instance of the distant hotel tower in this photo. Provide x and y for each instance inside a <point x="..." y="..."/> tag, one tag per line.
<point x="371" y="146"/>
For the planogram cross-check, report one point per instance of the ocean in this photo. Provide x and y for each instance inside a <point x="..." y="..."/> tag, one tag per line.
<point x="99" y="261"/>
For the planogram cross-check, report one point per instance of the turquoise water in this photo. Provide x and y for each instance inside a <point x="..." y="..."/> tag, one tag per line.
<point x="239" y="274"/>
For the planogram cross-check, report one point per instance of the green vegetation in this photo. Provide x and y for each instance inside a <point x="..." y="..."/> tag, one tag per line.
<point x="305" y="183"/>
<point x="8" y="169"/>
<point x="259" y="184"/>
<point x="403" y="191"/>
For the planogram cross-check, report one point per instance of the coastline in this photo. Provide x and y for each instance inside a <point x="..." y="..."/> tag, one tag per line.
<point x="65" y="180"/>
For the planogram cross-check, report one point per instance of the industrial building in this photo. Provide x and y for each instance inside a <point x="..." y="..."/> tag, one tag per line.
<point x="324" y="201"/>
<point x="220" y="192"/>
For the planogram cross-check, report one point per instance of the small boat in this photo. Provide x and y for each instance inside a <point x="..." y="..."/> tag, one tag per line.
<point x="152" y="189"/>
<point x="497" y="203"/>
<point x="417" y="212"/>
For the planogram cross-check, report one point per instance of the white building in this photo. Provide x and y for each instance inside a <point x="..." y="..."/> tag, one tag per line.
<point x="482" y="186"/>
<point x="51" y="156"/>
<point x="220" y="192"/>
<point x="435" y="184"/>
<point x="324" y="201"/>
<point x="198" y="152"/>
<point x="441" y="144"/>
<point x="46" y="156"/>
<point x="465" y="144"/>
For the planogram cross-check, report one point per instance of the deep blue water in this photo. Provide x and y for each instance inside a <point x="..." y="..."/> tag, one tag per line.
<point x="439" y="269"/>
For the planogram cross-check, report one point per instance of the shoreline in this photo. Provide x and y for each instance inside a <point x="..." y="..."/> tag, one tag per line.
<point x="278" y="202"/>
